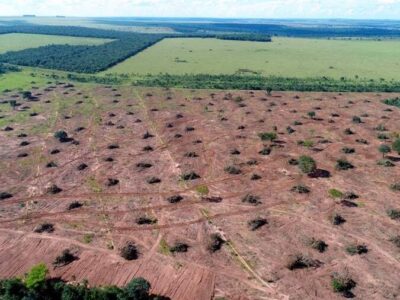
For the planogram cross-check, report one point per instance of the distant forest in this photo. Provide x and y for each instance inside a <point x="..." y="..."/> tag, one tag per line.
<point x="268" y="29"/>
<point x="91" y="59"/>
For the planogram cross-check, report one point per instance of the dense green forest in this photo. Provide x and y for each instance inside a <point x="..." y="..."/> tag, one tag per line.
<point x="37" y="286"/>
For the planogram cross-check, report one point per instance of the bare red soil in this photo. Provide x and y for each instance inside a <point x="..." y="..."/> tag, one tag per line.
<point x="202" y="132"/>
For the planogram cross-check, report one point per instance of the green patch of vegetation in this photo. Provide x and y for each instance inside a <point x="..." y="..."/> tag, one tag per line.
<point x="164" y="247"/>
<point x="88" y="238"/>
<point x="393" y="102"/>
<point x="268" y="136"/>
<point x="307" y="164"/>
<point x="202" y="190"/>
<point x="334" y="193"/>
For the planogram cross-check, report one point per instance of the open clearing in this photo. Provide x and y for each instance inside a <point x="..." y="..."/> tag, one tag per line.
<point x="127" y="137"/>
<point x="21" y="41"/>
<point x="288" y="57"/>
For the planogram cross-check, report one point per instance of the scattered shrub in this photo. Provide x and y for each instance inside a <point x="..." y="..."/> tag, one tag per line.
<point x="268" y="136"/>
<point x="395" y="186"/>
<point x="153" y="180"/>
<point x="348" y="131"/>
<point x="129" y="251"/>
<point x="343" y="164"/>
<point x="300" y="261"/>
<point x="265" y="151"/>
<point x="293" y="162"/>
<point x="384" y="149"/>
<point x="394" y="214"/>
<point x="396" y="146"/>
<point x="179" y="247"/>
<point x="5" y="195"/>
<point x="334" y="193"/>
<point x="255" y="177"/>
<point x="82" y="167"/>
<point x="318" y="245"/>
<point x="54" y="189"/>
<point x="343" y="284"/>
<point x="257" y="223"/>
<point x="190" y="176"/>
<point x="174" y="199"/>
<point x="385" y="163"/>
<point x="307" y="164"/>
<point x="347" y="150"/>
<point x="232" y="170"/>
<point x="356" y="249"/>
<point x="64" y="259"/>
<point x="356" y="120"/>
<point x="145" y="221"/>
<point x="395" y="240"/>
<point x="45" y="227"/>
<point x="74" y="205"/>
<point x="216" y="242"/>
<point x="112" y="181"/>
<point x="338" y="219"/>
<point x="251" y="199"/>
<point x="301" y="189"/>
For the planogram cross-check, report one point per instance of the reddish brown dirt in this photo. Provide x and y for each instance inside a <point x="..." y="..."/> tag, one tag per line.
<point x="252" y="264"/>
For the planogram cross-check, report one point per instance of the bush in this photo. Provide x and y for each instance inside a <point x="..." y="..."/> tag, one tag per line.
<point x="268" y="136"/>
<point x="216" y="242"/>
<point x="300" y="261"/>
<point x="394" y="214"/>
<point x="174" y="199"/>
<point x="342" y="284"/>
<point x="257" y="223"/>
<point x="334" y="193"/>
<point x="179" y="247"/>
<point x="347" y="150"/>
<point x="190" y="176"/>
<point x="337" y="219"/>
<point x="384" y="149"/>
<point x="232" y="170"/>
<point x="129" y="251"/>
<point x="395" y="240"/>
<point x="318" y="245"/>
<point x="385" y="163"/>
<point x="265" y="151"/>
<point x="62" y="136"/>
<point x="36" y="277"/>
<point x="64" y="259"/>
<point x="343" y="164"/>
<point x="396" y="146"/>
<point x="138" y="289"/>
<point x="5" y="195"/>
<point x="395" y="186"/>
<point x="251" y="199"/>
<point x="356" y="249"/>
<point x="357" y="120"/>
<point x="74" y="205"/>
<point x="307" y="164"/>
<point x="45" y="227"/>
<point x="301" y="189"/>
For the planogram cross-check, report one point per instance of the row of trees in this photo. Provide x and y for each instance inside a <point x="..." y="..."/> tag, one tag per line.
<point x="256" y="82"/>
<point x="37" y="286"/>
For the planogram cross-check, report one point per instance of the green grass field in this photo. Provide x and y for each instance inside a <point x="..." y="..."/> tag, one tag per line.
<point x="20" y="41"/>
<point x="289" y="57"/>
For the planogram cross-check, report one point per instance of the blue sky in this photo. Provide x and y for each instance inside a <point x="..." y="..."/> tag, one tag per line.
<point x="359" y="9"/>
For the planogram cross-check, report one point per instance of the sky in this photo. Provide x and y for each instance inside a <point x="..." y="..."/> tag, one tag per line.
<point x="351" y="9"/>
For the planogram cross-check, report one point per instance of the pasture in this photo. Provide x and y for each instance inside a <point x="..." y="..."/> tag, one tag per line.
<point x="21" y="41"/>
<point x="287" y="57"/>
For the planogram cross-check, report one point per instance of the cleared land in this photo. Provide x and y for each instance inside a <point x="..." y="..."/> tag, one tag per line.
<point x="21" y="41"/>
<point x="288" y="57"/>
<point x="123" y="139"/>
